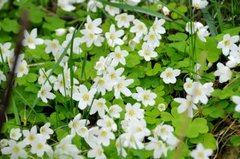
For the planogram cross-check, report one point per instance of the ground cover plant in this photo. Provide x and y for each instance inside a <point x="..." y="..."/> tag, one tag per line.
<point x="121" y="79"/>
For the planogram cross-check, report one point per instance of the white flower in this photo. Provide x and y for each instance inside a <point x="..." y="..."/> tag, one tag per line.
<point x="66" y="148"/>
<point x="223" y="72"/>
<point x="228" y="43"/>
<point x="107" y="122"/>
<point x="188" y="85"/>
<point x="132" y="140"/>
<point x="163" y="130"/>
<point x="93" y="25"/>
<point x="112" y="76"/>
<point x="114" y="111"/>
<point x="147" y="52"/>
<point x="199" y="4"/>
<point x="3" y="143"/>
<point x="119" y="145"/>
<point x="201" y="92"/>
<point x="161" y="107"/>
<point x="96" y="152"/>
<point x="121" y="87"/>
<point x="201" y="153"/>
<point x="30" y="136"/>
<point x="104" y="135"/>
<point x="112" y="10"/>
<point x="78" y="126"/>
<point x="157" y="26"/>
<point x="42" y="78"/>
<point x="186" y="105"/>
<point x="39" y="147"/>
<point x="232" y="62"/>
<point x="84" y="96"/>
<point x="172" y="142"/>
<point x="52" y="46"/>
<point x="45" y="93"/>
<point x="139" y="28"/>
<point x="236" y="100"/>
<point x="46" y="131"/>
<point x="15" y="149"/>
<point x="123" y="20"/>
<point x="60" y="31"/>
<point x="93" y="5"/>
<point x="193" y="27"/>
<point x="66" y="5"/>
<point x="236" y="53"/>
<point x="101" y="84"/>
<point x="118" y="56"/>
<point x="102" y="64"/>
<point x="21" y="68"/>
<point x="91" y="38"/>
<point x="99" y="105"/>
<point x="2" y="77"/>
<point x="133" y="2"/>
<point x="145" y="96"/>
<point x="169" y="75"/>
<point x="203" y="33"/>
<point x="15" y="133"/>
<point x="165" y="10"/>
<point x="136" y="126"/>
<point x="158" y="147"/>
<point x="197" y="27"/>
<point x="5" y="51"/>
<point x="113" y="37"/>
<point x="134" y="111"/>
<point x="31" y="39"/>
<point x="153" y="38"/>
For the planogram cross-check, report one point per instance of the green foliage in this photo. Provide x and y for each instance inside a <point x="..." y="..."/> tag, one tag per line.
<point x="178" y="49"/>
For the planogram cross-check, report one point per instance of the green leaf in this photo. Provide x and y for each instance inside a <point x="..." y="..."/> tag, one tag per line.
<point x="61" y="133"/>
<point x="180" y="46"/>
<point x="215" y="109"/>
<point x="36" y="14"/>
<point x="199" y="125"/>
<point x="177" y="37"/>
<point x="165" y="116"/>
<point x="207" y="140"/>
<point x="132" y="60"/>
<point x="213" y="53"/>
<point x="235" y="140"/>
<point x="153" y="71"/>
<point x="31" y="77"/>
<point x="53" y="23"/>
<point x="10" y="25"/>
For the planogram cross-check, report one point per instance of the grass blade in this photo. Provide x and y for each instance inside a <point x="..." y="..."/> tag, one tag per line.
<point x="135" y="8"/>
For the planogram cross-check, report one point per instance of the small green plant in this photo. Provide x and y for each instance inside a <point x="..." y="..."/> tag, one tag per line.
<point x="123" y="79"/>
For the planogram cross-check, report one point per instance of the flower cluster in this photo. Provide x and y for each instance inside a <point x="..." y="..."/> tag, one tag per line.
<point x="196" y="93"/>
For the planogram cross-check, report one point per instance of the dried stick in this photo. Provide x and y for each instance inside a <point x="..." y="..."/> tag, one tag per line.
<point x="10" y="82"/>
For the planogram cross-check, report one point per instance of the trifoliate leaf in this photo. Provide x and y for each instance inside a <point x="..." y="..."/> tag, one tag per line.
<point x="10" y="25"/>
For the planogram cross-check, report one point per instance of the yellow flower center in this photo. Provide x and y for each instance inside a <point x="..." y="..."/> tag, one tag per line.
<point x="227" y="42"/>
<point x="124" y="18"/>
<point x="118" y="55"/>
<point x="16" y="149"/>
<point x="146" y="97"/>
<point x="169" y="74"/>
<point x="103" y="133"/>
<point x="112" y="36"/>
<point x="40" y="146"/>
<point x="30" y="40"/>
<point x="131" y="112"/>
<point x="85" y="97"/>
